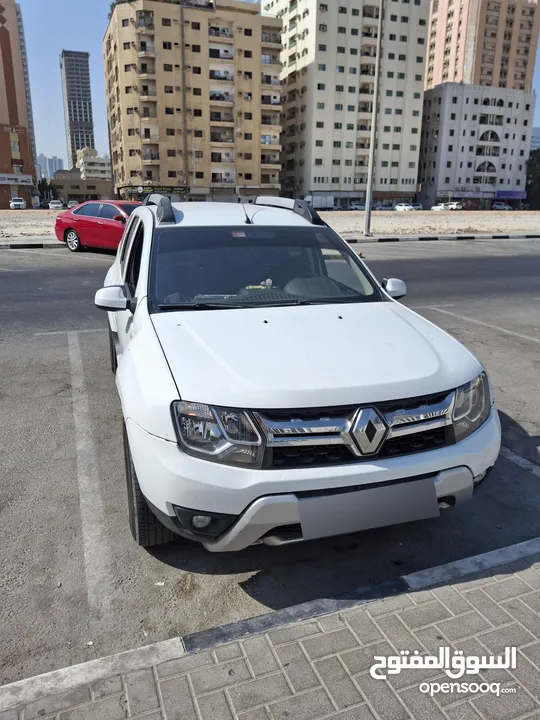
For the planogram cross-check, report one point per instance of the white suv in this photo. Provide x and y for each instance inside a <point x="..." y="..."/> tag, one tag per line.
<point x="273" y="390"/>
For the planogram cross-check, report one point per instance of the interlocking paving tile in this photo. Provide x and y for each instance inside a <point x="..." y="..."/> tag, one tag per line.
<point x="297" y="667"/>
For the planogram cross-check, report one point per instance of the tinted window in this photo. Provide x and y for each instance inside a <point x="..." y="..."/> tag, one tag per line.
<point x="253" y="266"/>
<point x="128" y="209"/>
<point x="92" y="210"/>
<point x="109" y="211"/>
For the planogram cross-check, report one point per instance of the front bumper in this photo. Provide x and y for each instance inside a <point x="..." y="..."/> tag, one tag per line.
<point x="322" y="501"/>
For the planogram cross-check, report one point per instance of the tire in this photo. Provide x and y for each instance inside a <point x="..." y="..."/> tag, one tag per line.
<point x="73" y="241"/>
<point x="112" y="352"/>
<point x="146" y="529"/>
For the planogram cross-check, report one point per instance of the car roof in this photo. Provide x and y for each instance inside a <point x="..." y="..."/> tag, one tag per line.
<point x="199" y="214"/>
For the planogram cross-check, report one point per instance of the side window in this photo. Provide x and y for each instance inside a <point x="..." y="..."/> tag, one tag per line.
<point x="92" y="210"/>
<point x="128" y="235"/>
<point x="109" y="211"/>
<point x="133" y="262"/>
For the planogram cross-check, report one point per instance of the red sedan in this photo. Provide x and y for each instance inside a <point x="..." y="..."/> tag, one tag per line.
<point x="98" y="224"/>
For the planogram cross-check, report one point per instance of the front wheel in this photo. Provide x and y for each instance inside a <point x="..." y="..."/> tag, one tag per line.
<point x="146" y="529"/>
<point x="73" y="241"/>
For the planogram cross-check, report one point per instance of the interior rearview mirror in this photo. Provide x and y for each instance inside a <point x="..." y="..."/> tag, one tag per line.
<point x="111" y="298"/>
<point x="394" y="287"/>
<point x="119" y="218"/>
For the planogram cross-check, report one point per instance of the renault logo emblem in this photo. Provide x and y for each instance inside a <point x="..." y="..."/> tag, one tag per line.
<point x="369" y="431"/>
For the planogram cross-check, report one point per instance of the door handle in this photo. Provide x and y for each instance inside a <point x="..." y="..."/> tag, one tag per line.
<point x="100" y="223"/>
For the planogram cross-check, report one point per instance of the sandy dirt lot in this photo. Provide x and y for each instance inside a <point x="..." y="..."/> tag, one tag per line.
<point x="16" y="224"/>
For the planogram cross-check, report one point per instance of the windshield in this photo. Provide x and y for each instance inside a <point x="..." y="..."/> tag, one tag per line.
<point x="127" y="208"/>
<point x="216" y="267"/>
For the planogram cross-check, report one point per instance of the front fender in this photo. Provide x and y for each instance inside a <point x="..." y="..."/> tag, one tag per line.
<point x="144" y="380"/>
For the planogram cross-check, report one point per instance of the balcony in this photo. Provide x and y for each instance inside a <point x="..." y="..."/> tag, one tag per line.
<point x="269" y="38"/>
<point x="149" y="138"/>
<point x="365" y="108"/>
<point x="364" y="128"/>
<point x="221" y="76"/>
<point x="145" y="28"/>
<point x="271" y="141"/>
<point x="270" y="120"/>
<point x="221" y="118"/>
<point x="271" y="161"/>
<point x="147" y="94"/>
<point x="146" y="73"/>
<point x="269" y="80"/>
<point x="271" y="60"/>
<point x="367" y="70"/>
<point x="154" y="180"/>
<point x="269" y="100"/>
<point x="370" y="34"/>
<point x="146" y="113"/>
<point x="221" y="54"/>
<point x="221" y="97"/>
<point x="366" y="90"/>
<point x="222" y="158"/>
<point x="224" y="33"/>
<point x="222" y="179"/>
<point x="150" y="158"/>
<point x="147" y="51"/>
<point x="221" y="137"/>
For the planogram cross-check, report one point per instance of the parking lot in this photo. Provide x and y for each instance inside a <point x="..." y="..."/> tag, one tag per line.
<point x="73" y="584"/>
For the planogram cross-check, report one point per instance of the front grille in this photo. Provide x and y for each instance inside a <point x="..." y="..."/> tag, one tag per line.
<point x="290" y="457"/>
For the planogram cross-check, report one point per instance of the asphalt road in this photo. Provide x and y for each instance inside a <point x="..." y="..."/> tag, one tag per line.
<point x="70" y="574"/>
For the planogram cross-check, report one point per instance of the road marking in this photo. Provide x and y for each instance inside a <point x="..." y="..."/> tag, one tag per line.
<point x="3" y="269"/>
<point x="438" y="308"/>
<point x="96" y="552"/>
<point x="430" y="307"/>
<point x="75" y="332"/>
<point x="520" y="461"/>
<point x="70" y="258"/>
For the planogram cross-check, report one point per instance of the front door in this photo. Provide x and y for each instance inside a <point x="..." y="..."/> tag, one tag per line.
<point x="130" y="276"/>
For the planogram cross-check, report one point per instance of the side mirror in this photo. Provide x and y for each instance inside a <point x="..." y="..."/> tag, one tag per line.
<point x="395" y="288"/>
<point x="111" y="298"/>
<point x="119" y="218"/>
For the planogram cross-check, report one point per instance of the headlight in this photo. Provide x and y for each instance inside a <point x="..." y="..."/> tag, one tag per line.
<point x="472" y="406"/>
<point x="218" y="434"/>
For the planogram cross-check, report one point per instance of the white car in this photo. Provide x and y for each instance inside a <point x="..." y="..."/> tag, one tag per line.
<point x="73" y="203"/>
<point x="56" y="205"/>
<point x="273" y="390"/>
<point x="417" y="206"/>
<point x="357" y="206"/>
<point x="497" y="205"/>
<point x="440" y="206"/>
<point x="454" y="206"/>
<point x="403" y="207"/>
<point x="17" y="203"/>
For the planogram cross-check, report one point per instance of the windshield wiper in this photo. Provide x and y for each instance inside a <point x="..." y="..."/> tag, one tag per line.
<point x="317" y="301"/>
<point x="200" y="306"/>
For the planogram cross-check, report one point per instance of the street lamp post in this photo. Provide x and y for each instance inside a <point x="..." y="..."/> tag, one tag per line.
<point x="373" y="136"/>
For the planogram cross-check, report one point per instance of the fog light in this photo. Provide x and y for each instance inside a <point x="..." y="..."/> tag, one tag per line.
<point x="200" y="521"/>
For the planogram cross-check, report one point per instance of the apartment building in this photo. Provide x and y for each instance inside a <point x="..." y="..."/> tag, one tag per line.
<point x="194" y="98"/>
<point x="329" y="55"/>
<point x="93" y="166"/>
<point x="483" y="42"/>
<point x="75" y="71"/>
<point x="16" y="125"/>
<point x="475" y="145"/>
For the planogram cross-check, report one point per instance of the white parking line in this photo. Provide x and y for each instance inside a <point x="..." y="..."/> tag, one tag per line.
<point x="430" y="307"/>
<point x="75" y="332"/>
<point x="438" y="308"/>
<point x="96" y="553"/>
<point x="520" y="461"/>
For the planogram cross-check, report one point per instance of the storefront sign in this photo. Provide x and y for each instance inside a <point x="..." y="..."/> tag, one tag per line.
<point x="16" y="180"/>
<point x="511" y="194"/>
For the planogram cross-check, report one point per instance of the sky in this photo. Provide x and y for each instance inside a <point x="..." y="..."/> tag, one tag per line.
<point x="55" y="25"/>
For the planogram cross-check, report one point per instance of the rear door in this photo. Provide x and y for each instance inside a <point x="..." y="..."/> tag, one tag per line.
<point x="110" y="231"/>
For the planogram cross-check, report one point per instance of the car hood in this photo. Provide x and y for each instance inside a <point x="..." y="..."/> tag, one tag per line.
<point x="310" y="356"/>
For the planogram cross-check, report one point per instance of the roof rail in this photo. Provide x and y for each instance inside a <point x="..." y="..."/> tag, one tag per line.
<point x="164" y="212"/>
<point x="301" y="207"/>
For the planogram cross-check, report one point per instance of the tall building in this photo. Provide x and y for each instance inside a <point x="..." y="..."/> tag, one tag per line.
<point x="27" y="92"/>
<point x="54" y="164"/>
<point x="329" y="58"/>
<point x="483" y="42"/>
<point x="475" y="144"/>
<point x="42" y="166"/>
<point x="194" y="98"/>
<point x="16" y="126"/>
<point x="93" y="166"/>
<point x="535" y="138"/>
<point x="75" y="70"/>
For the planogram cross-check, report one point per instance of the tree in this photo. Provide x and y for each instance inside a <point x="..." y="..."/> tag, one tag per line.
<point x="533" y="180"/>
<point x="46" y="189"/>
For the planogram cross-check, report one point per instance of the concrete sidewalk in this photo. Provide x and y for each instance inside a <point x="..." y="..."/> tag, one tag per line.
<point x="319" y="668"/>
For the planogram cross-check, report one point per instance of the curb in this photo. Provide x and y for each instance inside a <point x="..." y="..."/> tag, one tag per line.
<point x="32" y="245"/>
<point x="24" y="691"/>
<point x="430" y="238"/>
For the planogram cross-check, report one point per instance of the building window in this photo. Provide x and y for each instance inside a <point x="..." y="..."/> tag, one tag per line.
<point x="418" y="78"/>
<point x="421" y="41"/>
<point x="196" y="91"/>
<point x="169" y="131"/>
<point x="395" y="163"/>
<point x="396" y="146"/>
<point x="397" y="128"/>
<point x="401" y="76"/>
<point x="405" y="18"/>
<point x="166" y="22"/>
<point x="322" y="66"/>
<point x="248" y="32"/>
<point x="319" y="143"/>
<point x="338" y="126"/>
<point x="171" y="153"/>
<point x="172" y="173"/>
<point x="320" y="106"/>
<point x="354" y="31"/>
<point x="342" y="30"/>
<point x="318" y="161"/>
<point x="196" y="70"/>
<point x="320" y="124"/>
<point x="248" y="54"/>
<point x="391" y="56"/>
<point x="384" y="163"/>
<point x="419" y="59"/>
<point x="336" y="162"/>
<point x="167" y="67"/>
<point x="199" y="175"/>
<point x="321" y="86"/>
<point x="390" y="74"/>
<point x="402" y="38"/>
<point x="391" y="36"/>
<point x="127" y="45"/>
<point x="417" y="96"/>
<point x="248" y="136"/>
<point x="402" y="58"/>
<point x="131" y="131"/>
<point x="169" y="89"/>
<point x="195" y="26"/>
<point x="337" y="143"/>
<point x="167" y="46"/>
<point x="248" y="176"/>
<point x="341" y="68"/>
<point x="197" y="113"/>
<point x="338" y="106"/>
<point x="169" y="111"/>
<point x="127" y="67"/>
<point x="125" y="22"/>
<point x="322" y="48"/>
